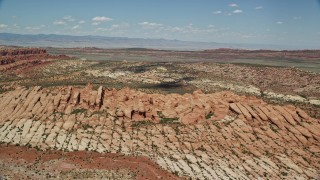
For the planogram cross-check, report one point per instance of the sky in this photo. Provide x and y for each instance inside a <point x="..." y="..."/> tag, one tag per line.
<point x="278" y="22"/>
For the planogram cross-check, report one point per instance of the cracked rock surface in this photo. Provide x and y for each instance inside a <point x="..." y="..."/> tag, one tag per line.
<point x="205" y="136"/>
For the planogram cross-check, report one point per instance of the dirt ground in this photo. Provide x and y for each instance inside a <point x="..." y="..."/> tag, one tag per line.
<point x="28" y="163"/>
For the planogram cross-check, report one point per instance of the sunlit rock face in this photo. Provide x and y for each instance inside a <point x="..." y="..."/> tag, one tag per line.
<point x="206" y="136"/>
<point x="20" y="58"/>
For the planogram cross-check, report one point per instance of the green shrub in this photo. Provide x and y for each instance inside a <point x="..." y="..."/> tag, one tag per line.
<point x="164" y="120"/>
<point x="208" y="116"/>
<point x="169" y="120"/>
<point x="141" y="123"/>
<point x="77" y="111"/>
<point x="86" y="126"/>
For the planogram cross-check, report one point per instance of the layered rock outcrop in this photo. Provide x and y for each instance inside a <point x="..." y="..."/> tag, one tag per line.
<point x="208" y="136"/>
<point x="11" y="58"/>
<point x="22" y="51"/>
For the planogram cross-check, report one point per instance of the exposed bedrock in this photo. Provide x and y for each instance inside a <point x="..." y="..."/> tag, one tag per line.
<point x="205" y="136"/>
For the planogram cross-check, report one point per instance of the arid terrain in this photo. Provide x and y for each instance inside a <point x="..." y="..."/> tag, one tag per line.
<point x="146" y="114"/>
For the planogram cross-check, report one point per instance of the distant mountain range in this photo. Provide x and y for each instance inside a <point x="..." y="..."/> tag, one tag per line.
<point x="68" y="41"/>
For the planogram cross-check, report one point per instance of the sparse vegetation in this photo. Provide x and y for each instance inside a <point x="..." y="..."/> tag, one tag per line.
<point x="208" y="116"/>
<point x="216" y="124"/>
<point x="169" y="121"/>
<point x="274" y="129"/>
<point x="102" y="131"/>
<point x="79" y="111"/>
<point x="164" y="120"/>
<point x="136" y="124"/>
<point x="86" y="126"/>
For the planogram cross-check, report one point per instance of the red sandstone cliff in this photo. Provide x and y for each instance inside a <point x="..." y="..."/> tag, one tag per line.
<point x="11" y="58"/>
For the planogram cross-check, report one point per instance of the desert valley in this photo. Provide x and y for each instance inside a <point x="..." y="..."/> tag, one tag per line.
<point x="90" y="113"/>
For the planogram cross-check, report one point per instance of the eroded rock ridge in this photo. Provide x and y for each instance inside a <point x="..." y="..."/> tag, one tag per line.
<point x="208" y="136"/>
<point x="13" y="58"/>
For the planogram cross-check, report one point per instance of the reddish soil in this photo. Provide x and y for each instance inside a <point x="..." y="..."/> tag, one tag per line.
<point x="141" y="166"/>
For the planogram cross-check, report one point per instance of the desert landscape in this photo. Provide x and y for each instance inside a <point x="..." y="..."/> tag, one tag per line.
<point x="147" y="90"/>
<point x="91" y="113"/>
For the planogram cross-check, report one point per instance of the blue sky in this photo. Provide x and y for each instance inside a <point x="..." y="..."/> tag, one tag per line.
<point x="280" y="22"/>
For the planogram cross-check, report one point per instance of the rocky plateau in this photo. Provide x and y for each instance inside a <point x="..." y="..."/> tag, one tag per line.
<point x="205" y="136"/>
<point x="147" y="114"/>
<point x="14" y="58"/>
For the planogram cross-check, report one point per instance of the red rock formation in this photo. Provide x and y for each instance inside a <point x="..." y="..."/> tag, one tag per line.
<point x="22" y="51"/>
<point x="197" y="135"/>
<point x="186" y="109"/>
<point x="13" y="58"/>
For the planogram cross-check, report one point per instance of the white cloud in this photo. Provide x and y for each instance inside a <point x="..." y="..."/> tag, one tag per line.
<point x="115" y="29"/>
<point x="174" y="29"/>
<point x="237" y="11"/>
<point x="59" y="22"/>
<point x="3" y="26"/>
<point x="35" y="28"/>
<point x="96" y="23"/>
<point x="120" y="26"/>
<point x="217" y="12"/>
<point x="150" y="24"/>
<point x="233" y="5"/>
<point x="258" y="7"/>
<point x="115" y="26"/>
<point x="101" y="29"/>
<point x="101" y="19"/>
<point x="64" y="20"/>
<point x="279" y="22"/>
<point x="188" y="29"/>
<point x="246" y="36"/>
<point x="29" y="28"/>
<point x="75" y="27"/>
<point x="69" y="18"/>
<point x="81" y="22"/>
<point x="297" y="18"/>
